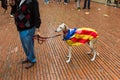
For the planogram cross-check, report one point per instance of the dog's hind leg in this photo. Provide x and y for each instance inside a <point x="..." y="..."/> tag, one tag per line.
<point x="69" y="54"/>
<point x="91" y="45"/>
<point x="94" y="42"/>
<point x="93" y="50"/>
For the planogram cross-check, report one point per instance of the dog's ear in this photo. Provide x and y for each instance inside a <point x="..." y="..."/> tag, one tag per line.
<point x="65" y="26"/>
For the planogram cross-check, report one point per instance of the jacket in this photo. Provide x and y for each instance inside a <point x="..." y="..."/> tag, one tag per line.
<point x="27" y="15"/>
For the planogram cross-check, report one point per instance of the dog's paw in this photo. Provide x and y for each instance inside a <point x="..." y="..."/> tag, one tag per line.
<point x="97" y="53"/>
<point x="68" y="61"/>
<point x="92" y="59"/>
<point x="88" y="53"/>
<point x="68" y="56"/>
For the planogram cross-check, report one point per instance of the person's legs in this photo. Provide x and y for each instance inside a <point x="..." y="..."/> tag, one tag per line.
<point x="78" y="4"/>
<point x="46" y="1"/>
<point x="88" y="4"/>
<point x="85" y="4"/>
<point x="28" y="44"/>
<point x="65" y="2"/>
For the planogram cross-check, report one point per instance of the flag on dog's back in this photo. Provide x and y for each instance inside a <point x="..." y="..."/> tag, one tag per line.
<point x="80" y="36"/>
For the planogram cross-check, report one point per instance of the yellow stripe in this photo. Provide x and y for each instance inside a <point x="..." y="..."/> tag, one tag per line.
<point x="78" y="36"/>
<point x="70" y="43"/>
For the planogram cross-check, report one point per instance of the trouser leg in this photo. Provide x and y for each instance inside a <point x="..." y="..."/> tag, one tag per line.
<point x="85" y="3"/>
<point x="88" y="4"/>
<point x="78" y="3"/>
<point x="28" y="43"/>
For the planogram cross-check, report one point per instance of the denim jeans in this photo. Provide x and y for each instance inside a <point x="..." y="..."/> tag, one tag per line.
<point x="27" y="41"/>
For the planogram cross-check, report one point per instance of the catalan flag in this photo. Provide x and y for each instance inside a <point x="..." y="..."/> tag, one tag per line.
<point x="76" y="37"/>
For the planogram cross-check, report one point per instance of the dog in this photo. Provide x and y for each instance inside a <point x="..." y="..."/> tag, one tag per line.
<point x="77" y="37"/>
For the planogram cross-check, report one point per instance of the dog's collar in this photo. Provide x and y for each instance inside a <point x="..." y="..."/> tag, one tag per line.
<point x="65" y="32"/>
<point x="69" y="33"/>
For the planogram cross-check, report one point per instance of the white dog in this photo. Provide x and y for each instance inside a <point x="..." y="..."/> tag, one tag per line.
<point x="76" y="37"/>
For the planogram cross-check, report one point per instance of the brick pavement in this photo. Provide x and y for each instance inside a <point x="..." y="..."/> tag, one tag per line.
<point x="51" y="55"/>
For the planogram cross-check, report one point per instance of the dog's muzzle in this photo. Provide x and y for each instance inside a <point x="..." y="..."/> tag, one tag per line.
<point x="55" y="30"/>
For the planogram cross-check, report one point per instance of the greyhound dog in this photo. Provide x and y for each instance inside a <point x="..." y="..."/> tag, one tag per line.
<point x="76" y="37"/>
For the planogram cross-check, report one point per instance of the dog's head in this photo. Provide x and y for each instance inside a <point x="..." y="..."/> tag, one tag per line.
<point x="61" y="27"/>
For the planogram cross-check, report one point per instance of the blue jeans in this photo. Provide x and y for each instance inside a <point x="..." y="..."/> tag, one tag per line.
<point x="27" y="41"/>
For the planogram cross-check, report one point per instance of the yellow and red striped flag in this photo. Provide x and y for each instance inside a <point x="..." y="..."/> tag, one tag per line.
<point x="80" y="36"/>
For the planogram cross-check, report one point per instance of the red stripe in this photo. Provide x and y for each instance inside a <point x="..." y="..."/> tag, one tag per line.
<point x="79" y="40"/>
<point x="87" y="32"/>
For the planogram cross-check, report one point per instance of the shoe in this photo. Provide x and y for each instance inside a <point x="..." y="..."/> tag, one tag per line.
<point x="65" y="3"/>
<point x="25" y="61"/>
<point x="78" y="8"/>
<point x="29" y="65"/>
<point x="83" y="8"/>
<point x="88" y="7"/>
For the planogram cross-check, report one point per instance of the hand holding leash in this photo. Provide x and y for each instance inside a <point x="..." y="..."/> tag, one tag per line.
<point x="37" y="36"/>
<point x="37" y="30"/>
<point x="41" y="39"/>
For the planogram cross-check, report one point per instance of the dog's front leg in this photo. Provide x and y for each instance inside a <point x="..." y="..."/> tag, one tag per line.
<point x="69" y="54"/>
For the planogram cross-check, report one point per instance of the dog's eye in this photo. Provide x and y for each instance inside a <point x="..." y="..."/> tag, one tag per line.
<point x="60" y="27"/>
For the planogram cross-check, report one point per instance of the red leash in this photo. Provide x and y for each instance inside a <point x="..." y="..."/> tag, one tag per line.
<point x="42" y="39"/>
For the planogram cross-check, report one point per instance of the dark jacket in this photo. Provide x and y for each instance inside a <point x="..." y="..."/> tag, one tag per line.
<point x="27" y="15"/>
